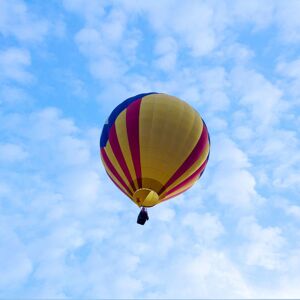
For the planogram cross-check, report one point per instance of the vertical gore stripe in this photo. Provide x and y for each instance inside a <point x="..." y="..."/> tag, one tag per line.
<point x="121" y="130"/>
<point x="176" y="194"/>
<point x="132" y="124"/>
<point x="189" y="179"/>
<point x="115" y="113"/>
<point x="192" y="158"/>
<point x="114" y="142"/>
<point x="113" y="170"/>
<point x="113" y="178"/>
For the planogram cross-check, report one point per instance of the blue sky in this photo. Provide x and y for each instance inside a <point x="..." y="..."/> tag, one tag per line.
<point x="66" y="231"/>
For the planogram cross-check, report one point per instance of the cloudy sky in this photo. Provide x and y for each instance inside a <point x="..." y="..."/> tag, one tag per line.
<point x="66" y="231"/>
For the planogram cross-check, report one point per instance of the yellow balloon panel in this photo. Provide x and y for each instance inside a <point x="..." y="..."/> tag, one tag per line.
<point x="169" y="130"/>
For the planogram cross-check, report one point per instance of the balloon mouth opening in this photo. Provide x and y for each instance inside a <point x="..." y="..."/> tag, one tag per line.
<point x="145" y="197"/>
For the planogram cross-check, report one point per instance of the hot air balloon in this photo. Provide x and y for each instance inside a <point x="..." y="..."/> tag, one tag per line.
<point x="154" y="147"/>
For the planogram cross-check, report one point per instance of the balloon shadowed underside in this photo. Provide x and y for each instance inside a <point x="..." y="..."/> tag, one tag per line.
<point x="154" y="147"/>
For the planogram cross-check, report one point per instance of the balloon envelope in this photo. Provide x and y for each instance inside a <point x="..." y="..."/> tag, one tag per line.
<point x="154" y="147"/>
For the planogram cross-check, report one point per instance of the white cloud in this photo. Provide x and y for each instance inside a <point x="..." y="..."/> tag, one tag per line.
<point x="288" y="288"/>
<point x="243" y="133"/>
<point x="293" y="210"/>
<point x="15" y="262"/>
<point x="290" y="207"/>
<point x="262" y="15"/>
<point x="259" y="13"/>
<point x="200" y="39"/>
<point x="18" y="21"/>
<point x="210" y="274"/>
<point x="13" y="64"/>
<point x="11" y="95"/>
<point x="109" y="45"/>
<point x="4" y="189"/>
<point x="290" y="71"/>
<point x="75" y="85"/>
<point x="264" y="246"/>
<point x="64" y="182"/>
<point x="91" y="11"/>
<point x="241" y="54"/>
<point x="74" y="151"/>
<point x="206" y="227"/>
<point x="214" y="83"/>
<point x="47" y="123"/>
<point x="280" y="153"/>
<point x="231" y="181"/>
<point x="166" y="50"/>
<point x="82" y="189"/>
<point x="216" y="124"/>
<point x="259" y="96"/>
<point x="164" y="213"/>
<point x="90" y="42"/>
<point x="10" y="153"/>
<point x="288" y="22"/>
<point x="103" y="63"/>
<point x="114" y="27"/>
